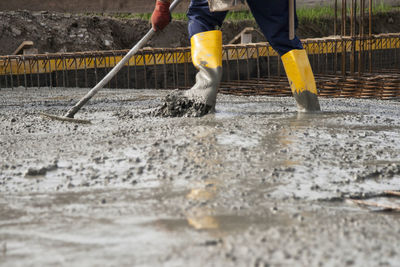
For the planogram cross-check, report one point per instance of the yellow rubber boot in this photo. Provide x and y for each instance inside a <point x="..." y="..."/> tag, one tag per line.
<point x="207" y="58"/>
<point x="301" y="79"/>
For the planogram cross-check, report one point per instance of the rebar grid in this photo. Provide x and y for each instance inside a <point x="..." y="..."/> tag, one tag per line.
<point x="252" y="66"/>
<point x="385" y="85"/>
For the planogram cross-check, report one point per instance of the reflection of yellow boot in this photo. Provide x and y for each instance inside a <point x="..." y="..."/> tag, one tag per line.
<point x="207" y="58"/>
<point x="301" y="79"/>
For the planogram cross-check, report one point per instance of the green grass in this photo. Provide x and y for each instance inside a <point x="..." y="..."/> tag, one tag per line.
<point x="316" y="13"/>
<point x="303" y="13"/>
<point x="239" y="15"/>
<point x="233" y="15"/>
<point x="382" y="8"/>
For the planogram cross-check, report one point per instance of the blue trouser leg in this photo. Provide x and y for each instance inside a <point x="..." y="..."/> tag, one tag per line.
<point x="271" y="15"/>
<point x="201" y="19"/>
<point x="273" y="18"/>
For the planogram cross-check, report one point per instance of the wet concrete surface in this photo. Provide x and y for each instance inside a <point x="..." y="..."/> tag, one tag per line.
<point x="254" y="184"/>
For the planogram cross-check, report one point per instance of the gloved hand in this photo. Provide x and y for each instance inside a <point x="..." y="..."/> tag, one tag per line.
<point x="161" y="15"/>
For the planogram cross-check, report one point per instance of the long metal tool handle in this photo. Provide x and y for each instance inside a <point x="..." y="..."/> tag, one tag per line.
<point x="291" y="20"/>
<point x="118" y="67"/>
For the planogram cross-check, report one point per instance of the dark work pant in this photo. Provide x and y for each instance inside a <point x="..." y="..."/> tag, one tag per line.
<point x="272" y="16"/>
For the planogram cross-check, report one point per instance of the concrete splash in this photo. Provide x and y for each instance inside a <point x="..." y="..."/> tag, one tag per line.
<point x="178" y="105"/>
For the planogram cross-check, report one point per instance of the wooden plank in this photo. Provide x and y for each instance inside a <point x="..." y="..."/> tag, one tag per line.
<point x="239" y="36"/>
<point x="22" y="46"/>
<point x="393" y="193"/>
<point x="385" y="207"/>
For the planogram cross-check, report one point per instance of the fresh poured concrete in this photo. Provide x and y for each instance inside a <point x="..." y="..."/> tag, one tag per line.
<point x="255" y="184"/>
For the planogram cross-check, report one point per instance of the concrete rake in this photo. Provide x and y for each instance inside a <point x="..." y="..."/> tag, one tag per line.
<point x="69" y="116"/>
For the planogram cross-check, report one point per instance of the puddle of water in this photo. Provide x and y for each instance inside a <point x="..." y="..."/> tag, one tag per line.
<point x="237" y="140"/>
<point x="225" y="224"/>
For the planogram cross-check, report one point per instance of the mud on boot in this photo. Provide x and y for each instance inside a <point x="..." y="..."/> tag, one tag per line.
<point x="206" y="54"/>
<point x="177" y="104"/>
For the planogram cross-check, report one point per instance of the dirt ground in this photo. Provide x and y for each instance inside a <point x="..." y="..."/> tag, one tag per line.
<point x="64" y="32"/>
<point x="132" y="6"/>
<point x="254" y="184"/>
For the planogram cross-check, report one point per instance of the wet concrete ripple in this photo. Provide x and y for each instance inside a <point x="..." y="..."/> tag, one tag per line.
<point x="253" y="184"/>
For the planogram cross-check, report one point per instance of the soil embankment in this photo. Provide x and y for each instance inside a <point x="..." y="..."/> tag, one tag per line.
<point x="126" y="6"/>
<point x="62" y="32"/>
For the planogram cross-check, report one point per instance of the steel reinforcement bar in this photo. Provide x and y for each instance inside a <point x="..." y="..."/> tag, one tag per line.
<point x="344" y="66"/>
<point x="381" y="86"/>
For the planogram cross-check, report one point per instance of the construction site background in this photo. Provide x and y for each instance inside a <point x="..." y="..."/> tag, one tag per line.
<point x="134" y="6"/>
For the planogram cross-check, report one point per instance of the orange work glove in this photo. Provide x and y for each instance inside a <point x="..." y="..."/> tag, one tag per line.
<point x="161" y="15"/>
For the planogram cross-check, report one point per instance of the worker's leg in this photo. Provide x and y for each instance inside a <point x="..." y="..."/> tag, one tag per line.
<point x="201" y="19"/>
<point x="273" y="18"/>
<point x="206" y="51"/>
